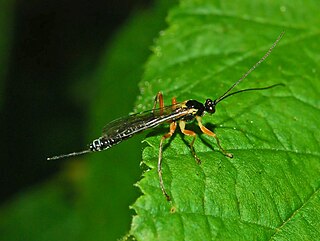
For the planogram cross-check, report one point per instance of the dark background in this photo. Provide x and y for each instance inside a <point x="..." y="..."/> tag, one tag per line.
<point x="52" y="40"/>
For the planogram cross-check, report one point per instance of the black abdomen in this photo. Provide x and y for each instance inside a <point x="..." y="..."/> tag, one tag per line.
<point x="104" y="143"/>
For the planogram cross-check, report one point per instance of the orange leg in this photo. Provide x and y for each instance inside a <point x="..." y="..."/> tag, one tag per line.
<point x="182" y="125"/>
<point x="158" y="99"/>
<point x="210" y="133"/>
<point x="174" y="100"/>
<point x="173" y="127"/>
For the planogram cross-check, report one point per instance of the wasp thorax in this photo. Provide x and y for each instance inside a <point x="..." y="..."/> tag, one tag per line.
<point x="210" y="106"/>
<point x="193" y="104"/>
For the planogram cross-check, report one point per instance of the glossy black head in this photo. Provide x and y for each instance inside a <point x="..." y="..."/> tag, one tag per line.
<point x="210" y="106"/>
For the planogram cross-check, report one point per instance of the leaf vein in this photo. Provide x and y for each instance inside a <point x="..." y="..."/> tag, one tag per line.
<point x="296" y="212"/>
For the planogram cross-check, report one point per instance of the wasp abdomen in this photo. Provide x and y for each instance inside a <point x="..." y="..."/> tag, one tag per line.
<point x="102" y="144"/>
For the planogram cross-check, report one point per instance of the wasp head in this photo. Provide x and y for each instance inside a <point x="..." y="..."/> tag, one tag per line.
<point x="210" y="106"/>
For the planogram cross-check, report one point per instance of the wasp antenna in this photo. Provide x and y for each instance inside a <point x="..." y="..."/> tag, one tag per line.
<point x="252" y="68"/>
<point x="250" y="89"/>
<point x="68" y="155"/>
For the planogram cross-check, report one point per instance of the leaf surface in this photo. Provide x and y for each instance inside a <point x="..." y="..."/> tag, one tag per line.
<point x="270" y="189"/>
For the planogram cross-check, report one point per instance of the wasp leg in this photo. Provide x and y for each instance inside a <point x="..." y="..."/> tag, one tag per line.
<point x="182" y="125"/>
<point x="158" y="99"/>
<point x="174" y="100"/>
<point x="173" y="127"/>
<point x="210" y="133"/>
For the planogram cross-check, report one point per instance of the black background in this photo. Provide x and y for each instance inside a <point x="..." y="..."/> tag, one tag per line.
<point x="49" y="37"/>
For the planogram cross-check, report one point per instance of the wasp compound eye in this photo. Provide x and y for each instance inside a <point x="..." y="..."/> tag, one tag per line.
<point x="210" y="106"/>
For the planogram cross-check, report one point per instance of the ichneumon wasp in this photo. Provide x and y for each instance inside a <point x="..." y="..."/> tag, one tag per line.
<point x="175" y="114"/>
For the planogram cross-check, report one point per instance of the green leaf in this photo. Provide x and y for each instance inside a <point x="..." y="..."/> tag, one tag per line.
<point x="270" y="189"/>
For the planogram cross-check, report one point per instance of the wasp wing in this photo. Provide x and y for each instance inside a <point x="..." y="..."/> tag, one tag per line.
<point x="135" y="123"/>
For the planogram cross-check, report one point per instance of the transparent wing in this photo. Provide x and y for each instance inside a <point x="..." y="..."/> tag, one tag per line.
<point x="129" y="125"/>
